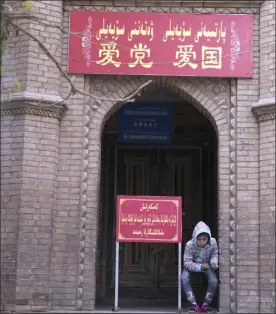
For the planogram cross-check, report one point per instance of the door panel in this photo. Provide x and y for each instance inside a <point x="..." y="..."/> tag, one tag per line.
<point x="181" y="179"/>
<point x="133" y="178"/>
<point x="171" y="172"/>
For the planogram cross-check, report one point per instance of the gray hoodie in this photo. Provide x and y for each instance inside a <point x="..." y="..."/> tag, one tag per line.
<point x="194" y="256"/>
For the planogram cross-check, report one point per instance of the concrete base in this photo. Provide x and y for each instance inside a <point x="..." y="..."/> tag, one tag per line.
<point x="142" y="310"/>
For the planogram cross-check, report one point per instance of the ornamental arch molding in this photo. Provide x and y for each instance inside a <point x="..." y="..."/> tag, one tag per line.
<point x="209" y="97"/>
<point x="212" y="98"/>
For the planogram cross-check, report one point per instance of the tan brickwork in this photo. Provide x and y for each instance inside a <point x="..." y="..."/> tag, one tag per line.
<point x="15" y="60"/>
<point x="248" y="260"/>
<point x="267" y="215"/>
<point x="35" y="150"/>
<point x="24" y="59"/>
<point x="267" y="157"/>
<point x="40" y="159"/>
<point x="267" y="50"/>
<point x="11" y="181"/>
<point x="66" y="238"/>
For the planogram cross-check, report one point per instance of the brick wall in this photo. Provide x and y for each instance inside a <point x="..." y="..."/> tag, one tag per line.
<point x="43" y="74"/>
<point x="267" y="50"/>
<point x="267" y="157"/>
<point x="267" y="216"/>
<point x="15" y="60"/>
<point x="248" y="223"/>
<point x="31" y="143"/>
<point x="67" y="216"/>
<point x="39" y="143"/>
<point x="11" y="180"/>
<point x="24" y="59"/>
<point x="39" y="173"/>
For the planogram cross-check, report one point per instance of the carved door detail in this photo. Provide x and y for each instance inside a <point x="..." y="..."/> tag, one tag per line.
<point x="137" y="267"/>
<point x="171" y="172"/>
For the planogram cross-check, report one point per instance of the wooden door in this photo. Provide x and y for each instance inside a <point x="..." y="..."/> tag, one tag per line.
<point x="137" y="262"/>
<point x="173" y="172"/>
<point x="181" y="177"/>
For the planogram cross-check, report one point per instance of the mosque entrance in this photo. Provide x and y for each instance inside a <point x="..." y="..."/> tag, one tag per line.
<point x="188" y="168"/>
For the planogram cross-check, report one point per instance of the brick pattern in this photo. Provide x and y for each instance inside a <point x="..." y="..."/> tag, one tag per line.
<point x="39" y="144"/>
<point x="39" y="111"/>
<point x="43" y="76"/>
<point x="248" y="224"/>
<point x="83" y="205"/>
<point x="267" y="159"/>
<point x="267" y="215"/>
<point x="267" y="50"/>
<point x="233" y="197"/>
<point x="15" y="60"/>
<point x="30" y="148"/>
<point x="168" y="4"/>
<point x="67" y="214"/>
<point x="24" y="60"/>
<point x="40" y="159"/>
<point x="11" y="180"/>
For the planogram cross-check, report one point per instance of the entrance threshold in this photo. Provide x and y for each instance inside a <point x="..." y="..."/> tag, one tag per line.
<point x="139" y="310"/>
<point x="149" y="310"/>
<point x="144" y="310"/>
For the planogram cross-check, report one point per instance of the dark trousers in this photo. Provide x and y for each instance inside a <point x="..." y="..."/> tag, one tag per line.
<point x="212" y="285"/>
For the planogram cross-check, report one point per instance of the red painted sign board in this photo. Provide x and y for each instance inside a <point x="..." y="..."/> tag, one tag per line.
<point x="167" y="44"/>
<point x="149" y="219"/>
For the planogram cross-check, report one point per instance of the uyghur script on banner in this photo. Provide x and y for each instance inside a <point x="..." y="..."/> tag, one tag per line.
<point x="149" y="219"/>
<point x="168" y="44"/>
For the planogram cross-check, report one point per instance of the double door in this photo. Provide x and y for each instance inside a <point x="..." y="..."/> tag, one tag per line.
<point x="161" y="172"/>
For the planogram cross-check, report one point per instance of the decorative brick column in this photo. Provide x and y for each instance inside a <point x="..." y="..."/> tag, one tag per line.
<point x="266" y="114"/>
<point x="11" y="172"/>
<point x="247" y="222"/>
<point x="31" y="145"/>
<point x="265" y="110"/>
<point x="30" y="120"/>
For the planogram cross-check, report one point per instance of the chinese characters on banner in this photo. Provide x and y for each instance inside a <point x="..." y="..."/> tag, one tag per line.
<point x="168" y="44"/>
<point x="149" y="219"/>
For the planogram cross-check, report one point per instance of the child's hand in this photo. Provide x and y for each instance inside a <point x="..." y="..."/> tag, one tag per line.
<point x="214" y="266"/>
<point x="204" y="266"/>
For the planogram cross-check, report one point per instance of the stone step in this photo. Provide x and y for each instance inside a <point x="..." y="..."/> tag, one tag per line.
<point x="131" y="311"/>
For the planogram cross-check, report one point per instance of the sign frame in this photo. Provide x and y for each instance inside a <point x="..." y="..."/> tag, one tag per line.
<point x="195" y="45"/>
<point x="119" y="201"/>
<point x="145" y="123"/>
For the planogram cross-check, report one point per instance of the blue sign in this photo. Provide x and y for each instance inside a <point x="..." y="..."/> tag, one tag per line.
<point x="145" y="123"/>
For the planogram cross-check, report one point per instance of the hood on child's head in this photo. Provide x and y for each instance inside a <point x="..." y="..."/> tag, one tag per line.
<point x="201" y="227"/>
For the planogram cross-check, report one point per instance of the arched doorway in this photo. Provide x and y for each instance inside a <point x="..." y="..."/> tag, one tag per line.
<point x="188" y="168"/>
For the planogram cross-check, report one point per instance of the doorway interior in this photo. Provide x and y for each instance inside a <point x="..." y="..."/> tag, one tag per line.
<point x="186" y="168"/>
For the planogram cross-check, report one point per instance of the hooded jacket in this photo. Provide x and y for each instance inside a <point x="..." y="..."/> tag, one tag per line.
<point x="194" y="256"/>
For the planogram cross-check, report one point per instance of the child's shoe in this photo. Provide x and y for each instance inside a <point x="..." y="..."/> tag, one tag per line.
<point x="194" y="308"/>
<point x="206" y="308"/>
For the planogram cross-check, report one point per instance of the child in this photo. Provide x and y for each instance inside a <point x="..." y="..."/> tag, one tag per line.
<point x="201" y="255"/>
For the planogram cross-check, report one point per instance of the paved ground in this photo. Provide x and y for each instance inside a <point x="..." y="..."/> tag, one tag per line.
<point x="134" y="311"/>
<point x="142" y="309"/>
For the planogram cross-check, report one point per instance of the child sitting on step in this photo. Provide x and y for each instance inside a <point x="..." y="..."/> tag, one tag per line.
<point x="200" y="255"/>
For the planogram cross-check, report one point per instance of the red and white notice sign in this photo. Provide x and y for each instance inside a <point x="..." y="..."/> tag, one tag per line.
<point x="149" y="219"/>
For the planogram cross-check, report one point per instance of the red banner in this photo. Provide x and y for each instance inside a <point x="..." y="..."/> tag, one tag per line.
<point x="168" y="44"/>
<point x="149" y="219"/>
